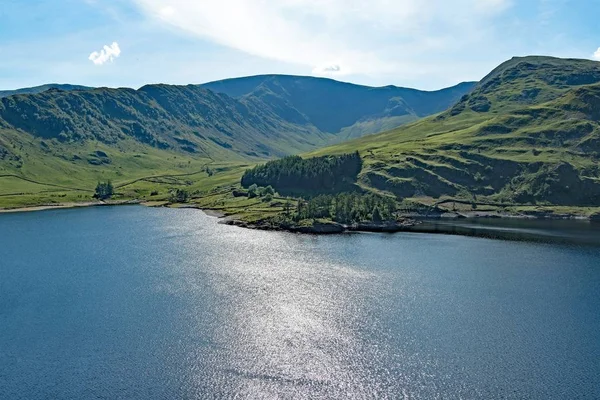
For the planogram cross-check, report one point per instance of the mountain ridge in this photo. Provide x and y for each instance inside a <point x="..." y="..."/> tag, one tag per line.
<point x="43" y="88"/>
<point x="252" y="81"/>
<point x="351" y="104"/>
<point x="182" y="118"/>
<point x="191" y="119"/>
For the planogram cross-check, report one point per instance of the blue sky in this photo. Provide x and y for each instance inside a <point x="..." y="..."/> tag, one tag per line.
<point x="427" y="44"/>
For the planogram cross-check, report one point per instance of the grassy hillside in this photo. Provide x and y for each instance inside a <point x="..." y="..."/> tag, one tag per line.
<point x="58" y="141"/>
<point x="345" y="109"/>
<point x="528" y="134"/>
<point x="32" y="173"/>
<point x="56" y="145"/>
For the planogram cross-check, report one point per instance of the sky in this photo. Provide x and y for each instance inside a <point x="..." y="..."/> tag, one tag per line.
<point x="425" y="44"/>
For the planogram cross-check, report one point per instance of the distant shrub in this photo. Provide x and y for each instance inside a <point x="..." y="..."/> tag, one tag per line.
<point x="253" y="191"/>
<point x="104" y="190"/>
<point x="239" y="193"/>
<point x="268" y="191"/>
<point x="179" y="196"/>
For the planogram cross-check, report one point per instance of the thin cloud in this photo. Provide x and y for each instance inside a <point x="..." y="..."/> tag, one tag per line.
<point x="107" y="54"/>
<point x="596" y="55"/>
<point x="372" y="38"/>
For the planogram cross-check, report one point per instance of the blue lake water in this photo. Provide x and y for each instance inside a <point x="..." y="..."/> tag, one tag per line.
<point x="139" y="303"/>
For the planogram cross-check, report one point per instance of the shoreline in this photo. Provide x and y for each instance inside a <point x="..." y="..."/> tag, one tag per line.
<point x="438" y="224"/>
<point x="417" y="223"/>
<point x="448" y="216"/>
<point x="474" y="215"/>
<point x="447" y="223"/>
<point x="64" y="206"/>
<point x="326" y="228"/>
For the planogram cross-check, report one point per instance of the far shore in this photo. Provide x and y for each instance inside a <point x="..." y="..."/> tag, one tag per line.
<point x="59" y="206"/>
<point x="232" y="220"/>
<point x="447" y="224"/>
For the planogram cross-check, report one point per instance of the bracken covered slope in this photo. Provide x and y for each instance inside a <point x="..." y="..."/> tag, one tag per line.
<point x="529" y="133"/>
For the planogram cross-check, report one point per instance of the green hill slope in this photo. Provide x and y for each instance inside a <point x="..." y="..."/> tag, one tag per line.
<point x="60" y="137"/>
<point x="73" y="139"/>
<point x="345" y="109"/>
<point x="529" y="133"/>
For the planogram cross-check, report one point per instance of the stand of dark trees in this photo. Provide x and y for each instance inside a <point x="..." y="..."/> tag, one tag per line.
<point x="347" y="208"/>
<point x="297" y="176"/>
<point x="104" y="190"/>
<point x="179" y="196"/>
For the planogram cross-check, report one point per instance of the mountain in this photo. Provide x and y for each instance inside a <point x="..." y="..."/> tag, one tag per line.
<point x="345" y="109"/>
<point x="529" y="133"/>
<point x="42" y="88"/>
<point x="72" y="134"/>
<point x="280" y="115"/>
<point x="526" y="135"/>
<point x="76" y="138"/>
<point x="187" y="119"/>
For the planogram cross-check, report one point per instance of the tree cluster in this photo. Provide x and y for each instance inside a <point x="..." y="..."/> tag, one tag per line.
<point x="347" y="208"/>
<point x="104" y="190"/>
<point x="257" y="191"/>
<point x="295" y="175"/>
<point x="179" y="196"/>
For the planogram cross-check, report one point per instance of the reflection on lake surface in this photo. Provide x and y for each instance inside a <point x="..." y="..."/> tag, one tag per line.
<point x="130" y="302"/>
<point x="566" y="231"/>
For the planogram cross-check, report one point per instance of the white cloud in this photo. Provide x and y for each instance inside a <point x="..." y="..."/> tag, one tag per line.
<point x="328" y="69"/>
<point x="371" y="38"/>
<point x="596" y="55"/>
<point x="108" y="53"/>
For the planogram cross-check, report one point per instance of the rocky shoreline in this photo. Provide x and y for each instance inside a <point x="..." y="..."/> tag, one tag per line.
<point x="325" y="228"/>
<point x="407" y="222"/>
<point x="439" y="226"/>
<point x="503" y="215"/>
<point x="413" y="223"/>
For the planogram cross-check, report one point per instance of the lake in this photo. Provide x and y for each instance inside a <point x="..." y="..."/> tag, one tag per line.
<point x="139" y="303"/>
